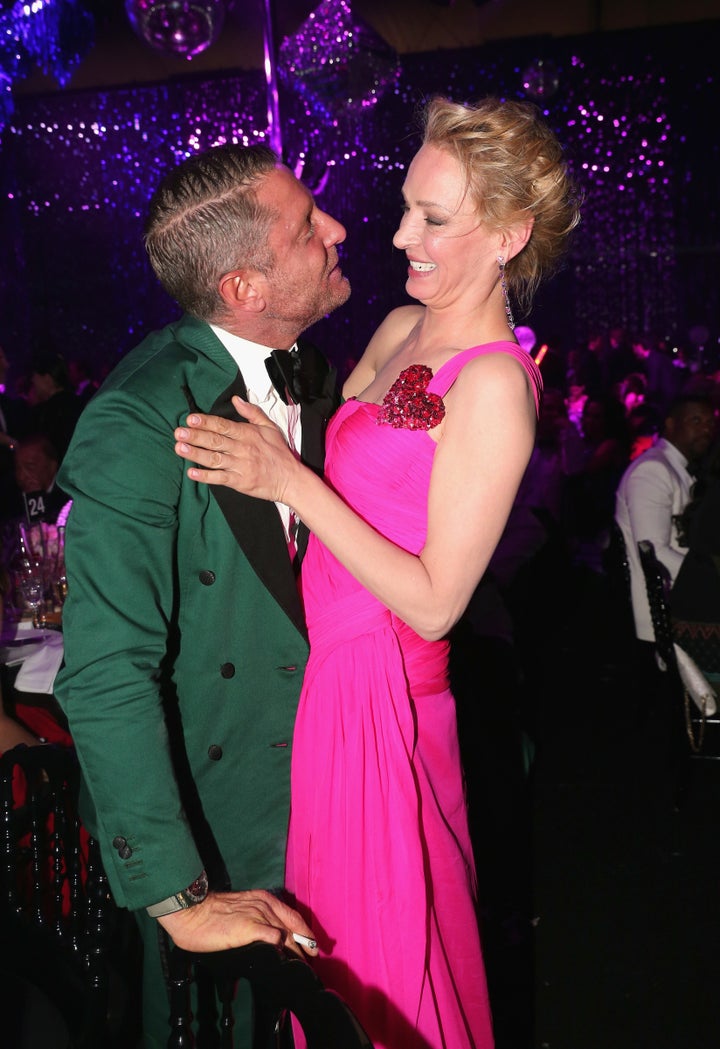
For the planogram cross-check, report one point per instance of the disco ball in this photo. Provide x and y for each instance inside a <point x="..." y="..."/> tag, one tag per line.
<point x="541" y="79"/>
<point x="179" y="27"/>
<point x="337" y="61"/>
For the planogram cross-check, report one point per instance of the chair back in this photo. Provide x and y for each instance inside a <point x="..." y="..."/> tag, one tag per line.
<point x="281" y="984"/>
<point x="54" y="898"/>
<point x="658" y="584"/>
<point x="616" y="566"/>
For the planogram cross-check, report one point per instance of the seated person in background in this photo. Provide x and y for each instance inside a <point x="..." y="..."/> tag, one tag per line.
<point x="36" y="467"/>
<point x="35" y="497"/>
<point x="655" y="489"/>
<point x="55" y="408"/>
<point x="695" y="596"/>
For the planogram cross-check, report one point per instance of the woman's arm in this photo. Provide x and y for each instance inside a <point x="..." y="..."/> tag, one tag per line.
<point x="482" y="453"/>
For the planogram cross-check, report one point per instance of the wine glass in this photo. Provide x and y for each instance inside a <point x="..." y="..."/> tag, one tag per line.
<point x="30" y="584"/>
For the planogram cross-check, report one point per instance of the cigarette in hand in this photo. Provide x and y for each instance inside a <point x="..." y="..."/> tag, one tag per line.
<point x="304" y="941"/>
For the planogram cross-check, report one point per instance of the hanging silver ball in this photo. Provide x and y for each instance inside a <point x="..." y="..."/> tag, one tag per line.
<point x="178" y="27"/>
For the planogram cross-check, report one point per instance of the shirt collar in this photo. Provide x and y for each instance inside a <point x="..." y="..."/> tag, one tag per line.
<point x="250" y="358"/>
<point x="672" y="452"/>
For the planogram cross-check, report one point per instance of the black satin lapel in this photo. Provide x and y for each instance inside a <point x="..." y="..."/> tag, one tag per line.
<point x="312" y="453"/>
<point x="315" y="414"/>
<point x="257" y="527"/>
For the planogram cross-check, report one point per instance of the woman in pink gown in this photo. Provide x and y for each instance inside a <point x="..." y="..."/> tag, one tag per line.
<point x="423" y="462"/>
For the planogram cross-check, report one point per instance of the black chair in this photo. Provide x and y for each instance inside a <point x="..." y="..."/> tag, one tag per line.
<point x="281" y="984"/>
<point x="616" y="567"/>
<point x="658" y="585"/>
<point x="58" y="919"/>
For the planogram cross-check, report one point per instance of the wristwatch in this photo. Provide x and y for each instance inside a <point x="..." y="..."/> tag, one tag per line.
<point x="180" y="901"/>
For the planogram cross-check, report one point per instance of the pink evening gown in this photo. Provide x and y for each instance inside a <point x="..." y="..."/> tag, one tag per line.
<point x="379" y="855"/>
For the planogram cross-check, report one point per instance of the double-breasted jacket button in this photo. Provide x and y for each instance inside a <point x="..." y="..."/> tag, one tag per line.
<point x="119" y="842"/>
<point x="207" y="577"/>
<point x="215" y="752"/>
<point x="227" y="670"/>
<point x="125" y="852"/>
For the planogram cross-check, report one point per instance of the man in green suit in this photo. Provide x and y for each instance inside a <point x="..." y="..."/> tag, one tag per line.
<point x="185" y="641"/>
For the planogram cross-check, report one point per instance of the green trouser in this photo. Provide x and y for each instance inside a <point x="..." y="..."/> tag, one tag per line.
<point x="156" y="991"/>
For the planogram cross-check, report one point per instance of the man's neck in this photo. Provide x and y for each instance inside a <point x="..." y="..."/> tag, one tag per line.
<point x="276" y="337"/>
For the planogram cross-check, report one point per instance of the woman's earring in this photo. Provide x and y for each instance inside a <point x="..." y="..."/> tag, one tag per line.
<point x="506" y="297"/>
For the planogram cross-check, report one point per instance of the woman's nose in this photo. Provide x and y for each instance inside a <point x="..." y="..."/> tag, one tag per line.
<point x="404" y="233"/>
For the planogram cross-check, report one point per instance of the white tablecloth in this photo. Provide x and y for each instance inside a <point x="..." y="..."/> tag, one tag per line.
<point x="38" y="653"/>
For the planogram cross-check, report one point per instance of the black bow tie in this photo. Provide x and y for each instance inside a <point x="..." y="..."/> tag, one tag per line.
<point x="302" y="372"/>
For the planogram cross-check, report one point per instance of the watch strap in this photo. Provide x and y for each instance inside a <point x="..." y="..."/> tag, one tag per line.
<point x="181" y="901"/>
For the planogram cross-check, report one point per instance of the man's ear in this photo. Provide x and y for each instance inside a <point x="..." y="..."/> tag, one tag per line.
<point x="242" y="290"/>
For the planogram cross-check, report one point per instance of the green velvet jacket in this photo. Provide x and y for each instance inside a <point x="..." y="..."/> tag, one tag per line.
<point x="185" y="643"/>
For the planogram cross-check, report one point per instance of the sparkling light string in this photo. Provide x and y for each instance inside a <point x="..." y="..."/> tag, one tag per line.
<point x="79" y="167"/>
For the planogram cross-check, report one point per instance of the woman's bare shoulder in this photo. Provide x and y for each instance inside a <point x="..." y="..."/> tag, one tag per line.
<point x="493" y="384"/>
<point x="392" y="331"/>
<point x="397" y="326"/>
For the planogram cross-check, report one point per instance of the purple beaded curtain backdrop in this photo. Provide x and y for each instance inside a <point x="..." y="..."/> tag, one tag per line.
<point x="78" y="168"/>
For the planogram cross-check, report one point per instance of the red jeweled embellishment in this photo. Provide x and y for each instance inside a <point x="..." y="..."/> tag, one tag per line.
<point x="407" y="405"/>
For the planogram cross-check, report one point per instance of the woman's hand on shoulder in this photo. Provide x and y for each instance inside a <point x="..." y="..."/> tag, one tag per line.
<point x="253" y="459"/>
<point x="387" y="338"/>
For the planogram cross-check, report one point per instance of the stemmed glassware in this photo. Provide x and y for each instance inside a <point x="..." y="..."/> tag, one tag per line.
<point x="40" y="580"/>
<point x="30" y="581"/>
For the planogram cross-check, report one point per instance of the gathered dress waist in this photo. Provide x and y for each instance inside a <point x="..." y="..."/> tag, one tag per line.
<point x="359" y="613"/>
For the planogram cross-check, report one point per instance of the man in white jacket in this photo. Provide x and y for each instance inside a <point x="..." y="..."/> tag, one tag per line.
<point x="655" y="488"/>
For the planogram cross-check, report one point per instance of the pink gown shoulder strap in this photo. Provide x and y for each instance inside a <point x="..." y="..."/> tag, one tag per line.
<point x="446" y="376"/>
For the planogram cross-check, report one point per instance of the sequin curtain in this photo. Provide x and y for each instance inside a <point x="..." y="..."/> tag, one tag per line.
<point x="78" y="169"/>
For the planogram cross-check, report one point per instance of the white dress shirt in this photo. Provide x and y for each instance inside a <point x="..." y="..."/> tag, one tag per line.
<point x="250" y="358"/>
<point x="654" y="490"/>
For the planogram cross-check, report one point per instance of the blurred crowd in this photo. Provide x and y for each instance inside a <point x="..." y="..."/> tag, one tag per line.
<point x="605" y="404"/>
<point x="39" y="408"/>
<point x="607" y="407"/>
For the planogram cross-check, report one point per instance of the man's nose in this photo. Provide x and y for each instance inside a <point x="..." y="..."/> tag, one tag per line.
<point x="333" y="231"/>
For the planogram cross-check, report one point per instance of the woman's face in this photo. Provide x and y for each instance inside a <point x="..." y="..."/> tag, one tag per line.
<point x="451" y="254"/>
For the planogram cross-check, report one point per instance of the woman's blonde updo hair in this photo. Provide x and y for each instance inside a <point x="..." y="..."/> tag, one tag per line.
<point x="515" y="168"/>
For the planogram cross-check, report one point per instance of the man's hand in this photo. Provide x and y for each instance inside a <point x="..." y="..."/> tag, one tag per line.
<point x="234" y="919"/>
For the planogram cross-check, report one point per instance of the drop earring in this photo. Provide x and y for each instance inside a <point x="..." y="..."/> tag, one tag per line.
<point x="506" y="297"/>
